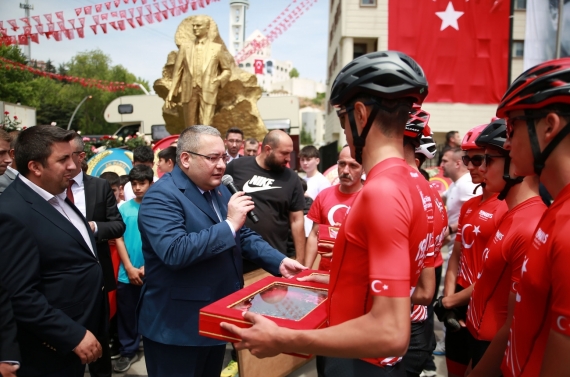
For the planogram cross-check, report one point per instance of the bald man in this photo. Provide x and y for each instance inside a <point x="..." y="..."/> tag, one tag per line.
<point x="276" y="192"/>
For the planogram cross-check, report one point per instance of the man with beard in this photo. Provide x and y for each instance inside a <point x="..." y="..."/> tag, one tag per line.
<point x="331" y="206"/>
<point x="276" y="191"/>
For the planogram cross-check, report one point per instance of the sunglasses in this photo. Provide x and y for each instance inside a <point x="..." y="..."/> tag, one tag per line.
<point x="476" y="160"/>
<point x="511" y="120"/>
<point x="489" y="158"/>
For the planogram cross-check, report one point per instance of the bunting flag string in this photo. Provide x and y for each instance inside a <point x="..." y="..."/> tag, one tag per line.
<point x="110" y="86"/>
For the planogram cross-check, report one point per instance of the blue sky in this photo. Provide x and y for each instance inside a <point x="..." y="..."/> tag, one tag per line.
<point x="143" y="50"/>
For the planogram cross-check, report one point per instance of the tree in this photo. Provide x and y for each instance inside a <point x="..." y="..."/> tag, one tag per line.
<point x="306" y="138"/>
<point x="14" y="82"/>
<point x="293" y="73"/>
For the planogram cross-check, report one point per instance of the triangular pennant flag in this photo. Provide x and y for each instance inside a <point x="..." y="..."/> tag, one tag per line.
<point x="27" y="29"/>
<point x="201" y="3"/>
<point x="123" y="13"/>
<point x="87" y="9"/>
<point x="126" y="1"/>
<point x="104" y="16"/>
<point x="108" y="5"/>
<point x="40" y="28"/>
<point x="117" y="2"/>
<point x="69" y="34"/>
<point x="143" y="1"/>
<point x="177" y="11"/>
<point x="113" y="24"/>
<point x="80" y="32"/>
<point x="57" y="35"/>
<point x="48" y="34"/>
<point x="72" y="22"/>
<point x="173" y="2"/>
<point x="173" y="11"/>
<point x="184" y="8"/>
<point x="157" y="6"/>
<point x="22" y="39"/>
<point x="96" y="19"/>
<point x="207" y="2"/>
<point x="149" y="18"/>
<point x="114" y="14"/>
<point x="98" y="7"/>
<point x="78" y="11"/>
<point x="194" y="5"/>
<point x="61" y="25"/>
<point x="132" y="12"/>
<point x="165" y="14"/>
<point x="148" y="8"/>
<point x="48" y="17"/>
<point x="165" y="4"/>
<point x="134" y="1"/>
<point x="158" y="16"/>
<point x="104" y="28"/>
<point x="94" y="28"/>
<point x="59" y="15"/>
<point x="13" y="24"/>
<point x="121" y="24"/>
<point x="139" y="20"/>
<point x="131" y="22"/>
<point x="82" y="21"/>
<point x="140" y="10"/>
<point x="34" y="38"/>
<point x="37" y="19"/>
<point x="51" y="27"/>
<point x="25" y="20"/>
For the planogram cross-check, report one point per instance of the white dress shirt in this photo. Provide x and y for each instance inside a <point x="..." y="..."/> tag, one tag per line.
<point x="78" y="190"/>
<point x="58" y="202"/>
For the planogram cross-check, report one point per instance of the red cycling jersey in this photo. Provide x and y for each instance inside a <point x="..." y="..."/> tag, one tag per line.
<point x="543" y="302"/>
<point x="330" y="207"/>
<point x="477" y="223"/>
<point x="382" y="244"/>
<point x="502" y="263"/>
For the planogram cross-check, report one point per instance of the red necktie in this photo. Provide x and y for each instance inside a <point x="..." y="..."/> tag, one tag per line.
<point x="69" y="192"/>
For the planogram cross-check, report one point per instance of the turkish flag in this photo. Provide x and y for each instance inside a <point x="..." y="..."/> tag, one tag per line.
<point x="258" y="65"/>
<point x="98" y="7"/>
<point x="463" y="46"/>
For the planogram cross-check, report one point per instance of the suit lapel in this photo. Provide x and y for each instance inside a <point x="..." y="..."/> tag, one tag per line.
<point x="217" y="197"/>
<point x="192" y="192"/>
<point x="90" y="196"/>
<point x="207" y="54"/>
<point x="10" y="175"/>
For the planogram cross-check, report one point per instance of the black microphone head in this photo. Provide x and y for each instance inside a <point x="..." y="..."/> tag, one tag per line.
<point x="227" y="180"/>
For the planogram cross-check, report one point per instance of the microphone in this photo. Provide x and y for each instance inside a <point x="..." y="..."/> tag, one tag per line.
<point x="228" y="181"/>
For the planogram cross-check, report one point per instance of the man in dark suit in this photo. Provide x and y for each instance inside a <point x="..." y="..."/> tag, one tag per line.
<point x="193" y="242"/>
<point x="7" y="174"/>
<point x="233" y="142"/>
<point x="95" y="200"/>
<point x="9" y="350"/>
<point x="49" y="261"/>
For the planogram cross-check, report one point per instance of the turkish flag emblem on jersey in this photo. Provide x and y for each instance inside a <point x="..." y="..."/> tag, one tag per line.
<point x="258" y="65"/>
<point x="462" y="45"/>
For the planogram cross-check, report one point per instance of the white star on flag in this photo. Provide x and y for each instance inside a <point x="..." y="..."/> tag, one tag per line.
<point x="449" y="17"/>
<point x="476" y="230"/>
<point x="385" y="287"/>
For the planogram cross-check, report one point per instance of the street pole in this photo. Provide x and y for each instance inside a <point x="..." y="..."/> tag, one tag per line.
<point x="559" y="31"/>
<point x="27" y="8"/>
<point x="75" y="111"/>
<point x="142" y="88"/>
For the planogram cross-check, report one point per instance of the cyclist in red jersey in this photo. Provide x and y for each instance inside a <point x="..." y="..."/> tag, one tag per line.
<point x="537" y="109"/>
<point x="492" y="301"/>
<point x="478" y="220"/>
<point x="384" y="236"/>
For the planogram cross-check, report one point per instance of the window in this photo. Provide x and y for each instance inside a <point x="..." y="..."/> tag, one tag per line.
<point x="518" y="49"/>
<point x="241" y="65"/>
<point x="125" y="109"/>
<point x="367" y="3"/>
<point x="520" y="4"/>
<point x="248" y="65"/>
<point x="359" y="50"/>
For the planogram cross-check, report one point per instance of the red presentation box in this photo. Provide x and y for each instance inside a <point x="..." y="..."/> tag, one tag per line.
<point x="327" y="235"/>
<point x="289" y="303"/>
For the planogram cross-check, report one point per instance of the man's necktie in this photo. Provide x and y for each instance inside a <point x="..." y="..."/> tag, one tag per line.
<point x="70" y="192"/>
<point x="208" y="197"/>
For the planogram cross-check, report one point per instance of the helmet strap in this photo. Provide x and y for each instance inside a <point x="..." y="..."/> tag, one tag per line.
<point x="482" y="185"/>
<point x="360" y="140"/>
<point x="540" y="157"/>
<point x="510" y="181"/>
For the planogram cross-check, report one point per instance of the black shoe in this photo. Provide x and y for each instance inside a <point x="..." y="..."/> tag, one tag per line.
<point x="114" y="348"/>
<point x="124" y="363"/>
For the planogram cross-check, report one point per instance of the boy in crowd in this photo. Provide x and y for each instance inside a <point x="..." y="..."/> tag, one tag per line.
<point x="142" y="155"/>
<point x="166" y="159"/>
<point x="131" y="271"/>
<point x="316" y="182"/>
<point x="123" y="180"/>
<point x="114" y="182"/>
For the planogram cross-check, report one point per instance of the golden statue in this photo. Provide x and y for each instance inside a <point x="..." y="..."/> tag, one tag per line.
<point x="201" y="83"/>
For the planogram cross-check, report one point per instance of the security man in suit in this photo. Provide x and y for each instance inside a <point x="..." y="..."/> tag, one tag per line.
<point x="50" y="267"/>
<point x="6" y="173"/>
<point x="193" y="243"/>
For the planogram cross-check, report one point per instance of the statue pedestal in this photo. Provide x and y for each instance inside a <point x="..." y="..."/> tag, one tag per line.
<point x="280" y="365"/>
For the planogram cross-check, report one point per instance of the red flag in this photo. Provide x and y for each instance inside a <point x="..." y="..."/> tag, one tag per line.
<point x="96" y="19"/>
<point x="61" y="25"/>
<point x="121" y="24"/>
<point x="149" y="18"/>
<point x="23" y="39"/>
<point x="57" y="35"/>
<point x="51" y="27"/>
<point x="158" y="16"/>
<point x="104" y="28"/>
<point x="165" y="3"/>
<point x="148" y="8"/>
<point x="165" y="14"/>
<point x="80" y="32"/>
<point x="139" y="20"/>
<point x="258" y="65"/>
<point x="183" y="8"/>
<point x="144" y="2"/>
<point x="131" y="22"/>
<point x="27" y="29"/>
<point x="87" y="9"/>
<point x="114" y="14"/>
<point x="462" y="46"/>
<point x="48" y="17"/>
<point x="108" y="5"/>
<point x="157" y="6"/>
<point x="72" y="22"/>
<point x="201" y="3"/>
<point x="69" y="34"/>
<point x="194" y="6"/>
<point x="40" y="28"/>
<point x="117" y="2"/>
<point x="113" y="24"/>
<point x="98" y="7"/>
<point x="82" y="21"/>
<point x="78" y="11"/>
<point x="132" y="12"/>
<point x="59" y="15"/>
<point x="104" y="16"/>
<point x="37" y="19"/>
<point x="123" y="13"/>
<point x="34" y="38"/>
<point x="173" y="2"/>
<point x="140" y="10"/>
<point x="94" y="28"/>
<point x="175" y="11"/>
<point x="25" y="20"/>
<point x="13" y="24"/>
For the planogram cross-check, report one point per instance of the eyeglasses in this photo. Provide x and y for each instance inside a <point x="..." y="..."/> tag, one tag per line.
<point x="489" y="158"/>
<point x="476" y="160"/>
<point x="213" y="159"/>
<point x="511" y="120"/>
<point x="351" y="165"/>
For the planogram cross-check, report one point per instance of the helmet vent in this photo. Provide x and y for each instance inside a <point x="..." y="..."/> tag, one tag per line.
<point x="388" y="81"/>
<point x="412" y="64"/>
<point x="364" y="72"/>
<point x="376" y="55"/>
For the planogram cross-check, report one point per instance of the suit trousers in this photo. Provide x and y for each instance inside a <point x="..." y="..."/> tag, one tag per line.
<point x="77" y="370"/>
<point x="197" y="111"/>
<point x="127" y="299"/>
<point x="180" y="361"/>
<point x="102" y="367"/>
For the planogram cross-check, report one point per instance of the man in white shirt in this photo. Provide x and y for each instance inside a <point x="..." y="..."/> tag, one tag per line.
<point x="316" y="182"/>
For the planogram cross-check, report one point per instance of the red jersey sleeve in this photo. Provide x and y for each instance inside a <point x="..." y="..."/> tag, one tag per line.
<point x="315" y="210"/>
<point x="384" y="233"/>
<point x="514" y="255"/>
<point x="460" y="221"/>
<point x="559" y="260"/>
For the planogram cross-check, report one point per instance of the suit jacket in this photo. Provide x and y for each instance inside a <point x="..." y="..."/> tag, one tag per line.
<point x="6" y="179"/>
<point x="191" y="258"/>
<point x="9" y="350"/>
<point x="216" y="63"/>
<point x="53" y="279"/>
<point x="101" y="207"/>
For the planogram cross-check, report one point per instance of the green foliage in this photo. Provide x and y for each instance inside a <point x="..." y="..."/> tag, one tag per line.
<point x="55" y="101"/>
<point x="293" y="73"/>
<point x="319" y="100"/>
<point x="306" y="138"/>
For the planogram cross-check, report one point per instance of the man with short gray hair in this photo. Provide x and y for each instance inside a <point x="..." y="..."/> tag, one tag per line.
<point x="193" y="242"/>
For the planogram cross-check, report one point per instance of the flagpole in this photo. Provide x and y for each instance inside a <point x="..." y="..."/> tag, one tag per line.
<point x="511" y="26"/>
<point x="559" y="30"/>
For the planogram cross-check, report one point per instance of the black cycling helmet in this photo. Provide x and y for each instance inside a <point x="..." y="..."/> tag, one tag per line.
<point x="495" y="135"/>
<point x="384" y="74"/>
<point x="389" y="75"/>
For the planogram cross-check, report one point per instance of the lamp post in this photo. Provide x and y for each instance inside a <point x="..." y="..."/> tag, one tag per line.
<point x="142" y="88"/>
<point x="75" y="111"/>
